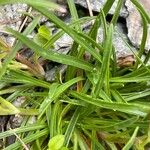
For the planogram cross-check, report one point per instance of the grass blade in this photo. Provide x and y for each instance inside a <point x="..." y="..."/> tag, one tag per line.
<point x="50" y="55"/>
<point x="131" y="141"/>
<point x="70" y="32"/>
<point x="131" y="108"/>
<point x="105" y="62"/>
<point x="18" y="45"/>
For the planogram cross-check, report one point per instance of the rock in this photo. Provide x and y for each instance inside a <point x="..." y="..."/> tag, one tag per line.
<point x="122" y="50"/>
<point x="52" y="73"/>
<point x="96" y="5"/>
<point x="14" y="122"/>
<point x="134" y="24"/>
<point x="124" y="55"/>
<point x="10" y="16"/>
<point x="19" y="101"/>
<point x="63" y="44"/>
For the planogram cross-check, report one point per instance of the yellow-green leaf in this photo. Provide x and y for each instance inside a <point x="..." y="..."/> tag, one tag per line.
<point x="56" y="142"/>
<point x="6" y="108"/>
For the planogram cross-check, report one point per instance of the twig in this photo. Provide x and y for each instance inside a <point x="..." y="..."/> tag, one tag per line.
<point x="23" y="144"/>
<point x="23" y="23"/>
<point x="25" y="20"/>
<point x="89" y="7"/>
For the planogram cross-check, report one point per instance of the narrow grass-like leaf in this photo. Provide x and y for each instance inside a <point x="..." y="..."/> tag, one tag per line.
<point x="130" y="79"/>
<point x="17" y="46"/>
<point x="131" y="140"/>
<point x="41" y="3"/>
<point x="50" y="55"/>
<point x="6" y="108"/>
<point x="54" y="93"/>
<point x="22" y="77"/>
<point x="144" y="38"/>
<point x="94" y="30"/>
<point x="90" y="40"/>
<point x="28" y="139"/>
<point x="22" y="130"/>
<point x="104" y="96"/>
<point x="105" y="32"/>
<point x="108" y="6"/>
<point x="66" y="85"/>
<point x="110" y="125"/>
<point x="12" y="89"/>
<point x="117" y="96"/>
<point x="104" y="24"/>
<point x="54" y="119"/>
<point x="131" y="108"/>
<point x="117" y="11"/>
<point x="140" y="7"/>
<point x="48" y="99"/>
<point x="61" y="32"/>
<point x="106" y="60"/>
<point x="137" y="95"/>
<point x="71" y="126"/>
<point x="69" y="31"/>
<point x="73" y="12"/>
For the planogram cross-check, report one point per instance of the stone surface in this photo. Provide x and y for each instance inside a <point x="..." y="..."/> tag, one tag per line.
<point x="122" y="50"/>
<point x="134" y="24"/>
<point x="124" y="54"/>
<point x="10" y="16"/>
<point x="63" y="44"/>
<point x="96" y="5"/>
<point x="51" y="74"/>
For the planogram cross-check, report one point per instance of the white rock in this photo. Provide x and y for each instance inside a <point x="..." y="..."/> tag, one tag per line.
<point x="96" y="5"/>
<point x="134" y="24"/>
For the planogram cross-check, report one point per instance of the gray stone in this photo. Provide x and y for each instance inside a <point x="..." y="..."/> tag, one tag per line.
<point x="119" y="39"/>
<point x="96" y="5"/>
<point x="10" y="16"/>
<point x="134" y="24"/>
<point x="51" y="74"/>
<point x="63" y="44"/>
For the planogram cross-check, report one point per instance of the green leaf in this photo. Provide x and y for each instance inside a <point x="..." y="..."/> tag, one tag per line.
<point x="40" y="3"/>
<point x="140" y="7"/>
<point x="17" y="76"/>
<point x="50" y="55"/>
<point x="70" y="32"/>
<point x="44" y="32"/>
<point x="106" y="61"/>
<point x="55" y="91"/>
<point x="131" y="140"/>
<point x="28" y="139"/>
<point x="56" y="142"/>
<point x="18" y="45"/>
<point x="72" y="125"/>
<point x="22" y="130"/>
<point x="39" y="40"/>
<point x="131" y="108"/>
<point x="3" y="45"/>
<point x="6" y="108"/>
<point x="43" y="36"/>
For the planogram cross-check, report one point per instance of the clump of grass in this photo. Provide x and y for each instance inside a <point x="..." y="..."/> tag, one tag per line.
<point x="95" y="105"/>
